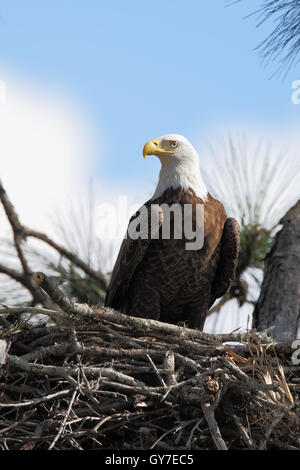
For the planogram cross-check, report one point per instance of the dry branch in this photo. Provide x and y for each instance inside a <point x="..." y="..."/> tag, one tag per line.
<point x="20" y="234"/>
<point x="145" y="325"/>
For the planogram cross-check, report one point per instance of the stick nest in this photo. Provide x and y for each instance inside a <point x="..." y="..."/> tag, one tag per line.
<point x="97" y="379"/>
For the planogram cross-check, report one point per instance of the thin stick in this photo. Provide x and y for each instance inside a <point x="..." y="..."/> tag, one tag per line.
<point x="161" y="380"/>
<point x="35" y="401"/>
<point x="244" y="435"/>
<point x="213" y="427"/>
<point x="63" y="424"/>
<point x="169" y="366"/>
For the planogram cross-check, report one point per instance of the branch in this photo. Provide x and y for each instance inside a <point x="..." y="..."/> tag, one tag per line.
<point x="138" y="324"/>
<point x="213" y="427"/>
<point x="20" y="234"/>
<point x="63" y="301"/>
<point x="97" y="276"/>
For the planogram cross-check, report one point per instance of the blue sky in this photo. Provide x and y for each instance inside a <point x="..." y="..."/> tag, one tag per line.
<point x="139" y="69"/>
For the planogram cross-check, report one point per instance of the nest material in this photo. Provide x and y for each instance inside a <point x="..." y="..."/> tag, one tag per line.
<point x="101" y="386"/>
<point x="97" y="379"/>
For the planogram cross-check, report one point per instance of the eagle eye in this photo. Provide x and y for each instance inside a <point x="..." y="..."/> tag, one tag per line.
<point x="173" y="143"/>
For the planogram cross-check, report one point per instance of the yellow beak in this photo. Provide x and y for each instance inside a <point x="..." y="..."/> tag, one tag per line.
<point x="151" y="148"/>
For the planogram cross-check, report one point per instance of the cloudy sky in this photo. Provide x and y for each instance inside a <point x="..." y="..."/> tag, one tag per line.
<point x="87" y="83"/>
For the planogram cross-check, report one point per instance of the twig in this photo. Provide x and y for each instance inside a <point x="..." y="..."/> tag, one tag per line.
<point x="161" y="380"/>
<point x="7" y="310"/>
<point x="35" y="401"/>
<point x="169" y="366"/>
<point x="63" y="424"/>
<point x="213" y="426"/>
<point x="189" y="441"/>
<point x="244" y="435"/>
<point x="63" y="301"/>
<point x="59" y="371"/>
<point x="274" y="423"/>
<point x="17" y="423"/>
<point x="19" y="237"/>
<point x="20" y="234"/>
<point x="96" y="275"/>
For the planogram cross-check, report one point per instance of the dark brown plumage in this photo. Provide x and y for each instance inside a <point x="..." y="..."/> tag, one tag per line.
<point x="162" y="280"/>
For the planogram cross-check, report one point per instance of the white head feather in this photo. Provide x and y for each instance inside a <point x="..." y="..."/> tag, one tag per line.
<point x="179" y="164"/>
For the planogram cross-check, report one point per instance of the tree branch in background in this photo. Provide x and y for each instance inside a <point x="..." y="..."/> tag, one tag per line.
<point x="97" y="276"/>
<point x="279" y="301"/>
<point x="283" y="43"/>
<point x="20" y="235"/>
<point x="257" y="186"/>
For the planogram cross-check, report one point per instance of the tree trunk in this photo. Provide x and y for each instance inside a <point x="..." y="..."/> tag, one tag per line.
<point x="279" y="301"/>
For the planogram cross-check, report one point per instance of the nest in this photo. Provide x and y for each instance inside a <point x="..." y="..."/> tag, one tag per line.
<point x="97" y="379"/>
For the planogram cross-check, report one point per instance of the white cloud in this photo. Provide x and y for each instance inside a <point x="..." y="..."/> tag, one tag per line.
<point x="46" y="148"/>
<point x="45" y="151"/>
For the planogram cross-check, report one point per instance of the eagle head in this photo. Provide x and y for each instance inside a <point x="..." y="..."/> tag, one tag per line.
<point x="171" y="147"/>
<point x="179" y="164"/>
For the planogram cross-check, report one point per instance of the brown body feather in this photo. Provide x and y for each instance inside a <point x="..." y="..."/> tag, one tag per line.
<point x="161" y="279"/>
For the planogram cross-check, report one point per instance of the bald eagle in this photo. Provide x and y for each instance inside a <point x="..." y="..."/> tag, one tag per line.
<point x="158" y="277"/>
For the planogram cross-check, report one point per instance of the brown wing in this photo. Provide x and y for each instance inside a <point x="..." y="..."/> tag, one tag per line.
<point x="214" y="220"/>
<point x="230" y="244"/>
<point x="131" y="253"/>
